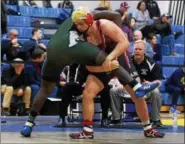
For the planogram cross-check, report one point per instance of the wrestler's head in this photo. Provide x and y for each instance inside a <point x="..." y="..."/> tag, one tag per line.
<point x="82" y="18"/>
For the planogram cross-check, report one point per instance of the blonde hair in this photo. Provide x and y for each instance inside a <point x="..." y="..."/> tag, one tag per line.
<point x="102" y="4"/>
<point x="141" y="41"/>
<point x="80" y="14"/>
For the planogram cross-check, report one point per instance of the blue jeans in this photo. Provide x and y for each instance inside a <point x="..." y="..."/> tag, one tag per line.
<point x="175" y="92"/>
<point x="35" y="88"/>
<point x="170" y="41"/>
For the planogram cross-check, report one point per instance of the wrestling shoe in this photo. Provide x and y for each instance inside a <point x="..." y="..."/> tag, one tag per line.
<point x="82" y="135"/>
<point x="152" y="133"/>
<point x="143" y="90"/>
<point x="27" y="129"/>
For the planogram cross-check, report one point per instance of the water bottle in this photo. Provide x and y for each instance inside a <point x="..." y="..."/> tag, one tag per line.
<point x="175" y="120"/>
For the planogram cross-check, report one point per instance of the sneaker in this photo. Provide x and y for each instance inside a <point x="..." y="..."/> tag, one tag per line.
<point x="27" y="129"/>
<point x="158" y="124"/>
<point x="82" y="135"/>
<point x="116" y="123"/>
<point x="6" y="112"/>
<point x="145" y="89"/>
<point x="151" y="133"/>
<point x="60" y="123"/>
<point x="105" y="123"/>
<point x="172" y="110"/>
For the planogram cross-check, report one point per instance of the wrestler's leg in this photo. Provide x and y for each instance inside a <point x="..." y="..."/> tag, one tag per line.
<point x="92" y="88"/>
<point x="50" y="74"/>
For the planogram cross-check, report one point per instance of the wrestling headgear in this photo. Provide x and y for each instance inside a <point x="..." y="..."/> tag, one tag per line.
<point x="82" y="13"/>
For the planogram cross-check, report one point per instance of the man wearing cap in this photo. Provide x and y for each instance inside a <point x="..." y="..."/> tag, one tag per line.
<point x="123" y="11"/>
<point x="15" y="81"/>
<point x="163" y="27"/>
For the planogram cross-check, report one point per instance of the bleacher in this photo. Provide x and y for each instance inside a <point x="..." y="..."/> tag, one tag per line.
<point x="28" y="14"/>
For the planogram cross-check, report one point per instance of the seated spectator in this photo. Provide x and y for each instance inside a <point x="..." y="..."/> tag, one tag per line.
<point x="123" y="11"/>
<point x="12" y="48"/>
<point x="156" y="48"/>
<point x="67" y="4"/>
<point x="128" y="28"/>
<point x="106" y="4"/>
<point x="148" y="49"/>
<point x="30" y="3"/>
<point x="30" y="45"/>
<point x="141" y="15"/>
<point x="72" y="86"/>
<point x="153" y="9"/>
<point x="15" y="81"/>
<point x="175" y="86"/>
<point x="3" y="18"/>
<point x="149" y="72"/>
<point x="163" y="27"/>
<point x="47" y="4"/>
<point x="34" y="70"/>
<point x="117" y="94"/>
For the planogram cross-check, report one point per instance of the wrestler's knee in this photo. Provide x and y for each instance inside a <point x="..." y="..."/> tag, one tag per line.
<point x="88" y="94"/>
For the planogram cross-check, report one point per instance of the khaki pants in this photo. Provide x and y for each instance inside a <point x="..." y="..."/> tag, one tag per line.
<point x="9" y="91"/>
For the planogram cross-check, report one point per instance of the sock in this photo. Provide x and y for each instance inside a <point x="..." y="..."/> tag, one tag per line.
<point x="147" y="125"/>
<point x="87" y="127"/>
<point x="134" y="84"/>
<point x="32" y="116"/>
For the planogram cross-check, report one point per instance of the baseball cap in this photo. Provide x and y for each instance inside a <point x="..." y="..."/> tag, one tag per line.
<point x="124" y="4"/>
<point x="167" y="15"/>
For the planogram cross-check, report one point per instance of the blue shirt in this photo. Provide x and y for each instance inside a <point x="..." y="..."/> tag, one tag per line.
<point x="177" y="79"/>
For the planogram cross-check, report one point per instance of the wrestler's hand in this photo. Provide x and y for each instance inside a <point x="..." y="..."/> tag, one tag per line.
<point x="114" y="65"/>
<point x="110" y="65"/>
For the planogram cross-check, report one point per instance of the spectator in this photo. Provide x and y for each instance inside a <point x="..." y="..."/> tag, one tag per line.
<point x="175" y="86"/>
<point x="163" y="27"/>
<point x="128" y="28"/>
<point x="148" y="72"/>
<point x="153" y="9"/>
<point x="117" y="94"/>
<point x="72" y="86"/>
<point x="30" y="45"/>
<point x="106" y="4"/>
<point x="148" y="49"/>
<point x="141" y="15"/>
<point x="15" y="81"/>
<point x="34" y="71"/>
<point x="47" y="4"/>
<point x="156" y="48"/>
<point x="12" y="48"/>
<point x="3" y="18"/>
<point x="30" y="3"/>
<point x="67" y="4"/>
<point x="123" y="11"/>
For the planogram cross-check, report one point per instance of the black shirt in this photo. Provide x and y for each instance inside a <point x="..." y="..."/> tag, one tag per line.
<point x="153" y="9"/>
<point x="10" y="78"/>
<point x="148" y="69"/>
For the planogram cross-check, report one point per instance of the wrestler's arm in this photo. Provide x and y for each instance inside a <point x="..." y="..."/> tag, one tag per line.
<point x="109" y="15"/>
<point x="112" y="31"/>
<point x="97" y="69"/>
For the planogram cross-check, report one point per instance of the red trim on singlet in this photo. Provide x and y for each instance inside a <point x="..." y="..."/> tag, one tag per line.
<point x="102" y="45"/>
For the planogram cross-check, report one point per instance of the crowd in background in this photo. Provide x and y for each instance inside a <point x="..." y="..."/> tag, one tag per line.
<point x="146" y="29"/>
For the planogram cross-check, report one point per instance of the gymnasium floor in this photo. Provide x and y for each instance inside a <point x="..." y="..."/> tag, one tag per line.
<point x="44" y="132"/>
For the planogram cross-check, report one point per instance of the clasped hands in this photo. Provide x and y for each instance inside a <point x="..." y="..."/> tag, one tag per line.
<point x="110" y="64"/>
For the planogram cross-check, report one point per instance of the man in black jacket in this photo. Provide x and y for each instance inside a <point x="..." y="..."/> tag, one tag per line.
<point x="163" y="27"/>
<point x="15" y="81"/>
<point x="12" y="48"/>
